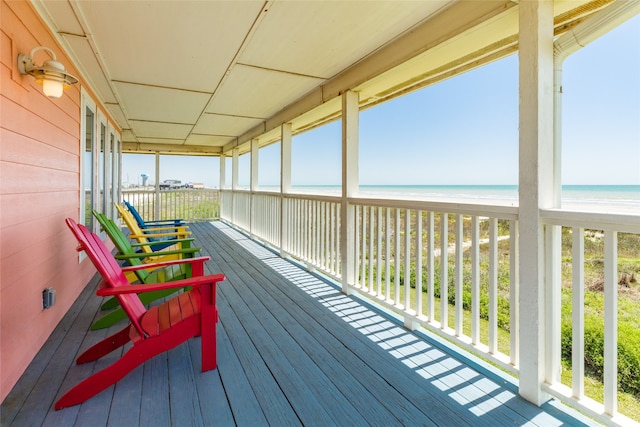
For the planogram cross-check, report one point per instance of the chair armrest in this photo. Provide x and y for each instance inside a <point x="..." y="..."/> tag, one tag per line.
<point x="189" y="251"/>
<point x="174" y="241"/>
<point x="138" y="289"/>
<point x="163" y="228"/>
<point x="146" y="236"/>
<point x="198" y="260"/>
<point x="160" y="222"/>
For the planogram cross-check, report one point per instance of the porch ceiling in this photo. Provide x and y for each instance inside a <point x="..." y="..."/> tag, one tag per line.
<point x="204" y="77"/>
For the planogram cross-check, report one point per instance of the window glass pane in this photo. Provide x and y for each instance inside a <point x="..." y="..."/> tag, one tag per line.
<point x="115" y="173"/>
<point x="87" y="179"/>
<point x="101" y="168"/>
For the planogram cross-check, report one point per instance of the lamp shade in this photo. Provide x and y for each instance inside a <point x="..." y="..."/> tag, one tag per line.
<point x="51" y="75"/>
<point x="52" y="88"/>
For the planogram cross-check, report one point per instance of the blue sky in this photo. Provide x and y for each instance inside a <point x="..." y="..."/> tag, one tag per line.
<point x="465" y="130"/>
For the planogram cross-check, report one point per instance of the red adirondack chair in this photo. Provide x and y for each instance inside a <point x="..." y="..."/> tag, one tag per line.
<point x="152" y="331"/>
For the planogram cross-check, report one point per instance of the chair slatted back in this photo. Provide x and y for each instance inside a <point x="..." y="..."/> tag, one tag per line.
<point x="109" y="269"/>
<point x="135" y="213"/>
<point x="133" y="226"/>
<point x="121" y="241"/>
<point x="142" y="223"/>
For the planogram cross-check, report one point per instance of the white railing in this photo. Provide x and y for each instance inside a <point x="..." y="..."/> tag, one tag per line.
<point x="604" y="228"/>
<point x="188" y="204"/>
<point x="401" y="246"/>
<point x="311" y="232"/>
<point x="265" y="218"/>
<point x="401" y="253"/>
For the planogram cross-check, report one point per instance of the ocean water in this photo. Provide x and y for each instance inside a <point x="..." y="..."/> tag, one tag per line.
<point x="623" y="196"/>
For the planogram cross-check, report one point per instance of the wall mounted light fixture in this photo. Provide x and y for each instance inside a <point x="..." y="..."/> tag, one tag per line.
<point x="51" y="74"/>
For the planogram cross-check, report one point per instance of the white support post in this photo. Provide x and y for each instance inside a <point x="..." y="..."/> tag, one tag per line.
<point x="234" y="182"/>
<point x="253" y="186"/>
<point x="223" y="179"/>
<point x="536" y="191"/>
<point x="223" y="171"/>
<point x="285" y="185"/>
<point x="350" y="119"/>
<point x="235" y="168"/>
<point x="254" y="165"/>
<point x="156" y="210"/>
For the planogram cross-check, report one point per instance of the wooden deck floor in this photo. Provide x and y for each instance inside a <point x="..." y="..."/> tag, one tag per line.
<point x="292" y="350"/>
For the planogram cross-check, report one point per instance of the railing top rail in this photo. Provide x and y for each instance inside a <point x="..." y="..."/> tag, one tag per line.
<point x="622" y="222"/>
<point x="497" y="211"/>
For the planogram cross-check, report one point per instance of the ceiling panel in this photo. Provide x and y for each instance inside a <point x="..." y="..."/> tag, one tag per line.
<point x="62" y="15"/>
<point x="183" y="44"/>
<point x="321" y="38"/>
<point x="159" y="130"/>
<point x="258" y="93"/>
<point x="117" y="114"/>
<point x="91" y="69"/>
<point x="128" y="136"/>
<point x="161" y="141"/>
<point x="216" y="124"/>
<point x="208" y="140"/>
<point x="160" y="104"/>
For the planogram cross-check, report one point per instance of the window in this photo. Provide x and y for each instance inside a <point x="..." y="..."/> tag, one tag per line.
<point x="88" y="148"/>
<point x="115" y="174"/>
<point x="99" y="164"/>
<point x="102" y="167"/>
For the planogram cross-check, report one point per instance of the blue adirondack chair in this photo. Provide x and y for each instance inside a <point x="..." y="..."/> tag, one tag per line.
<point x="155" y="223"/>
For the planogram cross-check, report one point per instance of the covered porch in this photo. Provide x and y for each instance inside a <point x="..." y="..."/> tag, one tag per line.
<point x="232" y="78"/>
<point x="292" y="350"/>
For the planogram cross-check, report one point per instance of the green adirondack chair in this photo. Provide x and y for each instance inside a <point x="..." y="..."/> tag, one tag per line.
<point x="129" y="254"/>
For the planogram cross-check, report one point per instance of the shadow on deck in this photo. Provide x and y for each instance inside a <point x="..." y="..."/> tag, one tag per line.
<point x="292" y="350"/>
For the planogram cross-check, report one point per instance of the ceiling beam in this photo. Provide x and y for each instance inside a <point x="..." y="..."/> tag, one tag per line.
<point x="191" y="150"/>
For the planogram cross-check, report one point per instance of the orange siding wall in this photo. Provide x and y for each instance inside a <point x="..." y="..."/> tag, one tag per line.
<point x="39" y="187"/>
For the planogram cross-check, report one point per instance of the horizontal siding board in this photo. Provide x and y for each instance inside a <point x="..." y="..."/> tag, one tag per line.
<point x="35" y="241"/>
<point x="22" y="205"/>
<point x="42" y="125"/>
<point x="20" y="178"/>
<point x="24" y="100"/>
<point x="20" y="149"/>
<point x="6" y="50"/>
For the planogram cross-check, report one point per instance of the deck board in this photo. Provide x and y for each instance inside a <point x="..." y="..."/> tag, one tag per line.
<point x="292" y="350"/>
